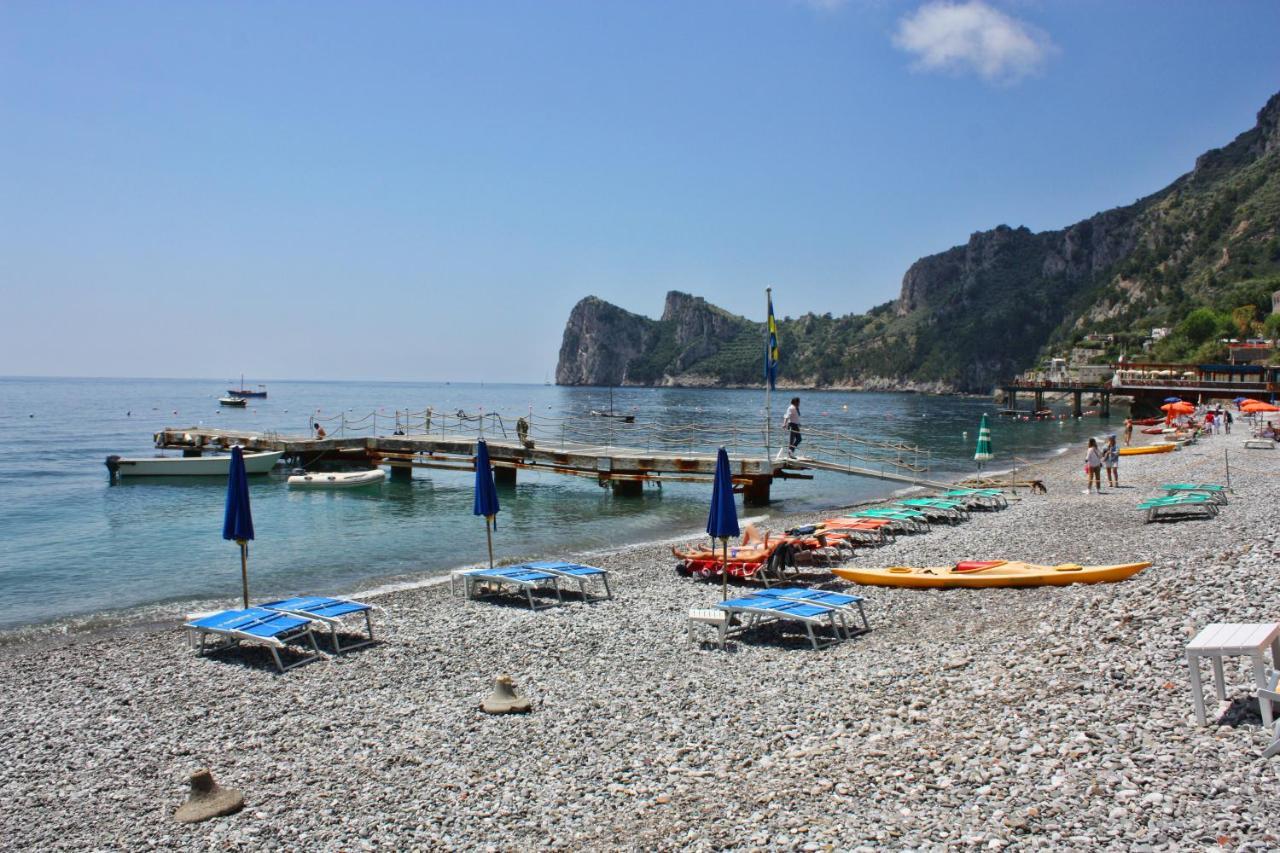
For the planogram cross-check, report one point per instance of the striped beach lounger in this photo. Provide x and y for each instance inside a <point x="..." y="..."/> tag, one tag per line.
<point x="257" y="626"/>
<point x="576" y="572"/>
<point x="522" y="578"/>
<point x="838" y="600"/>
<point x="328" y="612"/>
<point x="760" y="610"/>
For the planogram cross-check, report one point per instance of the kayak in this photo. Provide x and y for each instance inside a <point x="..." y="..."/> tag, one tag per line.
<point x="989" y="573"/>
<point x="1155" y="430"/>
<point x="1148" y="421"/>
<point x="1148" y="449"/>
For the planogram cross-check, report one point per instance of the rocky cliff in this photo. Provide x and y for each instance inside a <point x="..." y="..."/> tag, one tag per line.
<point x="986" y="310"/>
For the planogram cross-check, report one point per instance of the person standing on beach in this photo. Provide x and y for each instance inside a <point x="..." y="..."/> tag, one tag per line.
<point x="791" y="422"/>
<point x="1111" y="461"/>
<point x="1093" y="467"/>
<point x="1128" y="431"/>
<point x="1226" y="413"/>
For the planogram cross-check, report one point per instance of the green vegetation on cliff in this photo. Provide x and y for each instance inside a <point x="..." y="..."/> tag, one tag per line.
<point x="1200" y="257"/>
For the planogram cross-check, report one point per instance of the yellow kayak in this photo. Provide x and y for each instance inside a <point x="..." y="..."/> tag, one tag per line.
<point x="1150" y="448"/>
<point x="984" y="573"/>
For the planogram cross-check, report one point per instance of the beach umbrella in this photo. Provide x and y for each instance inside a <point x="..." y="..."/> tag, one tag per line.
<point x="983" y="451"/>
<point x="1258" y="406"/>
<point x="722" y="521"/>
<point x="237" y="520"/>
<point x="486" y="502"/>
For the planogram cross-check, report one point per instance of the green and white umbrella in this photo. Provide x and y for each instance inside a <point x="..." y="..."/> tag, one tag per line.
<point x="984" y="442"/>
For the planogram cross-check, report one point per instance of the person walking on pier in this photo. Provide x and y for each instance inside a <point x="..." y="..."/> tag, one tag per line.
<point x="791" y="422"/>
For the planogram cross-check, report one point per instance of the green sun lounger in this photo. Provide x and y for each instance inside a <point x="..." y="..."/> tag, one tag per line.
<point x="1218" y="493"/>
<point x="1179" y="506"/>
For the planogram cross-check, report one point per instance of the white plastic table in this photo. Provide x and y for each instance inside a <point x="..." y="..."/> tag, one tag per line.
<point x="1220" y="639"/>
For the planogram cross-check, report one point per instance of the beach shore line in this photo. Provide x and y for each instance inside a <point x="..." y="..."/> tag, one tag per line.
<point x="1050" y="717"/>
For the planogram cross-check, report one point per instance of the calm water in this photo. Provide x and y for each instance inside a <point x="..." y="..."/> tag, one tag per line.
<point x="76" y="544"/>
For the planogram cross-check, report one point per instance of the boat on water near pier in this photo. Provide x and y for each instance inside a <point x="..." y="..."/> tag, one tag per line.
<point x="337" y="479"/>
<point x="189" y="466"/>
<point x="234" y="402"/>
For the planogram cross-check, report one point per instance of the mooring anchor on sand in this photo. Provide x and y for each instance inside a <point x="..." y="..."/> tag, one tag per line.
<point x="208" y="799"/>
<point x="505" y="699"/>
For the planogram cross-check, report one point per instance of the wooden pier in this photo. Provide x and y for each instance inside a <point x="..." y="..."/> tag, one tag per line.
<point x="622" y="457"/>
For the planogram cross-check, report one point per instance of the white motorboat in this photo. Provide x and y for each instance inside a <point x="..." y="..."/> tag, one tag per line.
<point x="238" y="402"/>
<point x="337" y="479"/>
<point x="190" y="466"/>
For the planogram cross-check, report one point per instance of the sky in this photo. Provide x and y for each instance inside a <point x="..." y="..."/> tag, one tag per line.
<point x="423" y="190"/>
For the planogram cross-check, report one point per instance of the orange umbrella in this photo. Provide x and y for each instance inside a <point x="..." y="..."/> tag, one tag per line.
<point x="1258" y="406"/>
<point x="1180" y="408"/>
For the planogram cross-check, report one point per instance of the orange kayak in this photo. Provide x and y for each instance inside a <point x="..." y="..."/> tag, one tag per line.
<point x="989" y="573"/>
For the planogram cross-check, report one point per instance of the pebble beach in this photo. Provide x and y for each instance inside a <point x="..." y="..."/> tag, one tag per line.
<point x="1046" y="718"/>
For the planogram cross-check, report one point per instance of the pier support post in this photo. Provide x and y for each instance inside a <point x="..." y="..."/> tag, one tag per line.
<point x="1076" y="409"/>
<point x="1106" y="405"/>
<point x="1039" y="400"/>
<point x="756" y="493"/>
<point x="504" y="476"/>
<point x="401" y="473"/>
<point x="1011" y="398"/>
<point x="627" y="488"/>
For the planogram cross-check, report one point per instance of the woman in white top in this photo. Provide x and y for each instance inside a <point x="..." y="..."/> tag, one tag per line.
<point x="791" y="422"/>
<point x="1093" y="467"/>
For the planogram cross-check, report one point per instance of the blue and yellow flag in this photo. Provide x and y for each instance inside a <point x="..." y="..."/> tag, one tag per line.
<point x="771" y="349"/>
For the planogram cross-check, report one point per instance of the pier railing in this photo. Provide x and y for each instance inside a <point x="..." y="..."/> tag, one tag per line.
<point x="834" y="449"/>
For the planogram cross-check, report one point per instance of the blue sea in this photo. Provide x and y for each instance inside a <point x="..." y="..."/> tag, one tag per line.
<point x="81" y="550"/>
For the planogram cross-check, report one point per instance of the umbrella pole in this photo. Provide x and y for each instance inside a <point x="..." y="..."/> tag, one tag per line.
<point x="244" y="570"/>
<point x="488" y="535"/>
<point x="724" y="570"/>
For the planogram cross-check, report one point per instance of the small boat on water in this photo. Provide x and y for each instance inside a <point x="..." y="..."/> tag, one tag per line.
<point x="989" y="573"/>
<point x="245" y="392"/>
<point x="337" y="479"/>
<point x="189" y="466"/>
<point x="234" y="402"/>
<point x="626" y="419"/>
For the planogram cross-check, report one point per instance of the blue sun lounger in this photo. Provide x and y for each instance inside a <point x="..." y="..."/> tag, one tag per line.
<point x="760" y="609"/>
<point x="517" y="576"/>
<point x="270" y="628"/>
<point x="575" y="572"/>
<point x="837" y="600"/>
<point x="328" y="612"/>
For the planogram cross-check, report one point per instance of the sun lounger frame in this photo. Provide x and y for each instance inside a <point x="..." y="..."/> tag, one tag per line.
<point x="499" y="577"/>
<point x="576" y="572"/>
<point x="760" y="610"/>
<point x="230" y="638"/>
<point x="331" y="622"/>
<point x="1174" y="506"/>
<point x="823" y="598"/>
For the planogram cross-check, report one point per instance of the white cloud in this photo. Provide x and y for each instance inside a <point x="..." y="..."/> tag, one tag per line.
<point x="972" y="36"/>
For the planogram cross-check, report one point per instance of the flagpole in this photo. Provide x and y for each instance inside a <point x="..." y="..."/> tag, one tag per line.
<point x="768" y="409"/>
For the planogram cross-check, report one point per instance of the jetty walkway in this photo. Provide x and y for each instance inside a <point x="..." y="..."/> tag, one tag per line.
<point x="621" y="455"/>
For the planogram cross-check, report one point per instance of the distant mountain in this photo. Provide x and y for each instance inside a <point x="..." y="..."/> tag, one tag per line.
<point x="1201" y="256"/>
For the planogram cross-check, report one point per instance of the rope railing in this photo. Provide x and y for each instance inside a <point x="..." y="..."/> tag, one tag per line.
<point x="654" y="436"/>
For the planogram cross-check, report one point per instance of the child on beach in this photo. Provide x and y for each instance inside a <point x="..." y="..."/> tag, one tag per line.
<point x="320" y="433"/>
<point x="1128" y="431"/>
<point x="1111" y="461"/>
<point x="1093" y="467"/>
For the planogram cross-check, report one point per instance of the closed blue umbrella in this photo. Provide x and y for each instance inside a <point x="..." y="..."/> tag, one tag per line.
<point x="486" y="502"/>
<point x="237" y="520"/>
<point x="1173" y="399"/>
<point x="722" y="521"/>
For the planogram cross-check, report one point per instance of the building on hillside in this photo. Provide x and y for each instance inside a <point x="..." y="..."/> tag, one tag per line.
<point x="1159" y="333"/>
